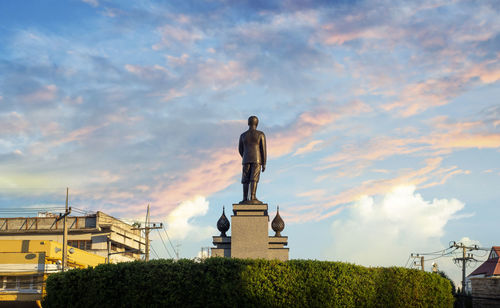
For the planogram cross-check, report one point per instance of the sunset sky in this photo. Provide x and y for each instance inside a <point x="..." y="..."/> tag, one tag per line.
<point x="382" y="117"/>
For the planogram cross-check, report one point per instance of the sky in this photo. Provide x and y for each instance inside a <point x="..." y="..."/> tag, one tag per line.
<point x="382" y="118"/>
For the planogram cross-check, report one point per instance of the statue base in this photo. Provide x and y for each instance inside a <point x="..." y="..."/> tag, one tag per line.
<point x="255" y="201"/>
<point x="249" y="236"/>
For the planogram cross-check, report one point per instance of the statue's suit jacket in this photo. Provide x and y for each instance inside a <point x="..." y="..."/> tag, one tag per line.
<point x="253" y="147"/>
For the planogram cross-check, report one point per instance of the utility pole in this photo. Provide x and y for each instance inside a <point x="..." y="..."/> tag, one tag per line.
<point x="418" y="256"/>
<point x="65" y="233"/>
<point x="147" y="234"/>
<point x="108" y="246"/>
<point x="178" y="246"/>
<point x="148" y="226"/>
<point x="464" y="259"/>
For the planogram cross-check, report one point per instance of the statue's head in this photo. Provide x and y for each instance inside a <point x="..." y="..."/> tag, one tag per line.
<point x="253" y="121"/>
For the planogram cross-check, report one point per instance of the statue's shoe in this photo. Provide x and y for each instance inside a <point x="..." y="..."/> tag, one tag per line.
<point x="254" y="201"/>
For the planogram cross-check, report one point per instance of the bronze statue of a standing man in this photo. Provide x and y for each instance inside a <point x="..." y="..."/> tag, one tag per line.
<point x="252" y="149"/>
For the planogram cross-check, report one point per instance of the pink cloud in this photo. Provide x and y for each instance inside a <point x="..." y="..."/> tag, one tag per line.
<point x="177" y="35"/>
<point x="418" y="97"/>
<point x="487" y="72"/>
<point x="446" y="137"/>
<point x="376" y="149"/>
<point x="310" y="147"/>
<point x="46" y="93"/>
<point x="154" y="72"/>
<point x="13" y="123"/>
<point x="331" y="35"/>
<point x="223" y="75"/>
<point x="326" y="206"/>
<point x="284" y="141"/>
<point x="215" y="174"/>
<point x="178" y="60"/>
<point x="308" y="123"/>
<point x="78" y="134"/>
<point x="461" y="135"/>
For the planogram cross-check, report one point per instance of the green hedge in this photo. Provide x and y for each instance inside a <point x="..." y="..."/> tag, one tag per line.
<point x="220" y="282"/>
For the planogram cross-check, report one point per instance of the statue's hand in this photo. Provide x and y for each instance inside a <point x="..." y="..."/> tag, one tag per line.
<point x="263" y="168"/>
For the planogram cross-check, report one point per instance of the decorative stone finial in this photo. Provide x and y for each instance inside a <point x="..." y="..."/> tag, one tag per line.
<point x="223" y="224"/>
<point x="278" y="224"/>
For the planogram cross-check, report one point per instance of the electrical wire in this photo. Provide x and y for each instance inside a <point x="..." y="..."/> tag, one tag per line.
<point x="168" y="237"/>
<point x="154" y="252"/>
<point x="406" y="263"/>
<point x="164" y="245"/>
<point x="443" y="255"/>
<point x="439" y="252"/>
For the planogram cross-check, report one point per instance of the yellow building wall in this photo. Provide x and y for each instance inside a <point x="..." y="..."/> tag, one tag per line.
<point x="39" y="259"/>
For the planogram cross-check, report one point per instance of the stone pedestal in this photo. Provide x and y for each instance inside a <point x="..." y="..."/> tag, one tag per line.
<point x="249" y="231"/>
<point x="249" y="236"/>
<point x="222" y="246"/>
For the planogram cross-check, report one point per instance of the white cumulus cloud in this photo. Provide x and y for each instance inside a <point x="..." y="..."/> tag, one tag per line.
<point x="384" y="232"/>
<point x="180" y="222"/>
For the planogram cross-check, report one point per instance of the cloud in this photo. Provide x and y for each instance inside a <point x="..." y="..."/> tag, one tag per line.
<point x="284" y="141"/>
<point x="219" y="75"/>
<point x="323" y="207"/>
<point x="178" y="60"/>
<point x="44" y="94"/>
<point x="155" y="72"/>
<point x="450" y="135"/>
<point x="418" y="97"/>
<point x="310" y="147"/>
<point x="313" y="194"/>
<point x="180" y="35"/>
<point x="13" y="124"/>
<point x="383" y="232"/>
<point x="214" y="174"/>
<point x="446" y="136"/>
<point x="180" y="220"/>
<point x="93" y="3"/>
<point x="307" y="123"/>
<point x="376" y="149"/>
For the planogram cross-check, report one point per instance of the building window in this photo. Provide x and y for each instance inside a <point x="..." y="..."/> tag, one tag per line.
<point x="10" y="283"/>
<point x="21" y="282"/>
<point x="25" y="282"/>
<point x="80" y="244"/>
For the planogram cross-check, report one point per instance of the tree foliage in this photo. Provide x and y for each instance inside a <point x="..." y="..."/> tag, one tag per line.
<point x="221" y="282"/>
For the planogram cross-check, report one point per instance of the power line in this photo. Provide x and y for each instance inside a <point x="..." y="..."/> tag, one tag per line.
<point x="406" y="263"/>
<point x="435" y="252"/>
<point x="164" y="245"/>
<point x="154" y="252"/>
<point x="443" y="255"/>
<point x="168" y="237"/>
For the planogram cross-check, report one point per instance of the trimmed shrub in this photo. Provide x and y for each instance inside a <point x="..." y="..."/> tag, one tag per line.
<point x="221" y="282"/>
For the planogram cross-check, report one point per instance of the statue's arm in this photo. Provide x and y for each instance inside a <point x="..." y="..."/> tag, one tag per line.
<point x="240" y="147"/>
<point x="263" y="151"/>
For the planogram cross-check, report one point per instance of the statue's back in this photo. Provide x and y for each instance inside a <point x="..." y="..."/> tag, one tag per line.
<point x="251" y="140"/>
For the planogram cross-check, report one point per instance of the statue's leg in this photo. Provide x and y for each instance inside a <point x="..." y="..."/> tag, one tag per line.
<point x="245" y="192"/>
<point x="244" y="180"/>
<point x="255" y="174"/>
<point x="253" y="188"/>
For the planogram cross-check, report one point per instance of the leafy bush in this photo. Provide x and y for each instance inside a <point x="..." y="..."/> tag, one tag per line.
<point x="221" y="282"/>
